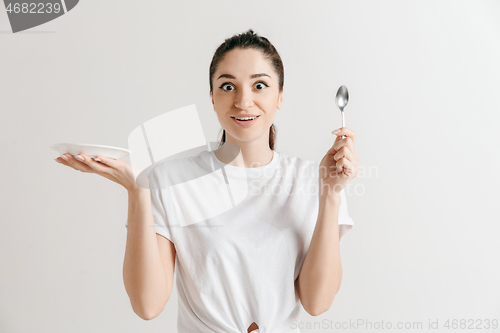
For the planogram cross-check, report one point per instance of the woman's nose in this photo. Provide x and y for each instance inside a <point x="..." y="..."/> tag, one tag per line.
<point x="244" y="99"/>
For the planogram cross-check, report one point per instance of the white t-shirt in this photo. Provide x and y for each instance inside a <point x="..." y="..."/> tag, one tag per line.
<point x="241" y="236"/>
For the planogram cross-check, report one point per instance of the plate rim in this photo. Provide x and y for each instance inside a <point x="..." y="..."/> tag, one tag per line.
<point x="91" y="145"/>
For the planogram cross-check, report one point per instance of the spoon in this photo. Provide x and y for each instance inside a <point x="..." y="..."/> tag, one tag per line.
<point x="341" y="100"/>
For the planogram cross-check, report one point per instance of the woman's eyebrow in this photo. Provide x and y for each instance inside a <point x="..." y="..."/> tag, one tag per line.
<point x="253" y="76"/>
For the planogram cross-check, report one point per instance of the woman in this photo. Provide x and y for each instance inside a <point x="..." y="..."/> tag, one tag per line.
<point x="247" y="268"/>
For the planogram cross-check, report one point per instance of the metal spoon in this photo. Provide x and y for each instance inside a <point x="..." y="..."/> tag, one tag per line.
<point x="341" y="100"/>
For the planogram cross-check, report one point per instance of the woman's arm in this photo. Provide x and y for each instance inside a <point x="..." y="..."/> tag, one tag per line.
<point x="321" y="273"/>
<point x="148" y="267"/>
<point x="148" y="281"/>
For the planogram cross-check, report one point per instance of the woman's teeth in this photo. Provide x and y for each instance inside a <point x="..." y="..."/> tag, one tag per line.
<point x="246" y="118"/>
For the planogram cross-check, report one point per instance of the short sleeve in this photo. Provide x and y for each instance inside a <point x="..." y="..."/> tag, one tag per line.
<point x="345" y="221"/>
<point x="159" y="196"/>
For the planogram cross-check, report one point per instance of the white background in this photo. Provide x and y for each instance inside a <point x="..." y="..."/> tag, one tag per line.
<point x="423" y="78"/>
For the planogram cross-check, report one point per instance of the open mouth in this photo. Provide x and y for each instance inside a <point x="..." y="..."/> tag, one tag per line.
<point x="245" y="121"/>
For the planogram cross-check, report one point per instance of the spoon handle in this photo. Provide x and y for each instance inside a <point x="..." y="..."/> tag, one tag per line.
<point x="343" y="122"/>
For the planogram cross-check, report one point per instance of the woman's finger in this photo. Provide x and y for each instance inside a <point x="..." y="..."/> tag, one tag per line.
<point x="345" y="166"/>
<point x="345" y="152"/>
<point x="115" y="172"/>
<point x="111" y="162"/>
<point x="337" y="144"/>
<point x="347" y="132"/>
<point x="78" y="165"/>
<point x="97" y="166"/>
<point x="63" y="162"/>
<point x="347" y="141"/>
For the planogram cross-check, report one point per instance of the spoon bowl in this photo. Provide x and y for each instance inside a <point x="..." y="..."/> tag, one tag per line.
<point x="342" y="97"/>
<point x="341" y="100"/>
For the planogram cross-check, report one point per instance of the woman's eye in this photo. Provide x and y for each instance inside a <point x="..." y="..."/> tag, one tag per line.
<point x="261" y="83"/>
<point x="226" y="84"/>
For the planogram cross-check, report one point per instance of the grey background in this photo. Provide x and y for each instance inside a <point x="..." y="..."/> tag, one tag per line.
<point x="423" y="78"/>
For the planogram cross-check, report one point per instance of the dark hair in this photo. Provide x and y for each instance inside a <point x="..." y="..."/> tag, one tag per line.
<point x="249" y="39"/>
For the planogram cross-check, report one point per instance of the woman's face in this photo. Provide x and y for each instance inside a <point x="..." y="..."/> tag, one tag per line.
<point x="245" y="83"/>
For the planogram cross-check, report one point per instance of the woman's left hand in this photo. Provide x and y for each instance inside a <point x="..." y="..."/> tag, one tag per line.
<point x="339" y="165"/>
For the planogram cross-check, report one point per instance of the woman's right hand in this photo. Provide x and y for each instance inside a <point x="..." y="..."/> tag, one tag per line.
<point x="115" y="170"/>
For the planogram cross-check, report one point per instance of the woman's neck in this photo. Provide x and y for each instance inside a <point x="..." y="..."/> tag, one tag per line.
<point x="245" y="154"/>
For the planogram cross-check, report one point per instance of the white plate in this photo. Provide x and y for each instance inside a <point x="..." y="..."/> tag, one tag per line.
<point x="90" y="150"/>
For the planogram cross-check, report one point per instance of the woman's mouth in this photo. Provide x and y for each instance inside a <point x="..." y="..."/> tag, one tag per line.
<point x="245" y="121"/>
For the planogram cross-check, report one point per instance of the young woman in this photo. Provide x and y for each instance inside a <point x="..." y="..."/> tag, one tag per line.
<point x="251" y="267"/>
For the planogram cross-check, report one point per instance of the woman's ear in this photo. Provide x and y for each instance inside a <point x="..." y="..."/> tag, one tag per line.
<point x="280" y="99"/>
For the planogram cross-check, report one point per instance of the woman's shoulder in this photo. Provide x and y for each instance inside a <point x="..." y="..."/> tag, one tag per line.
<point x="186" y="164"/>
<point x="297" y="161"/>
<point x="299" y="166"/>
